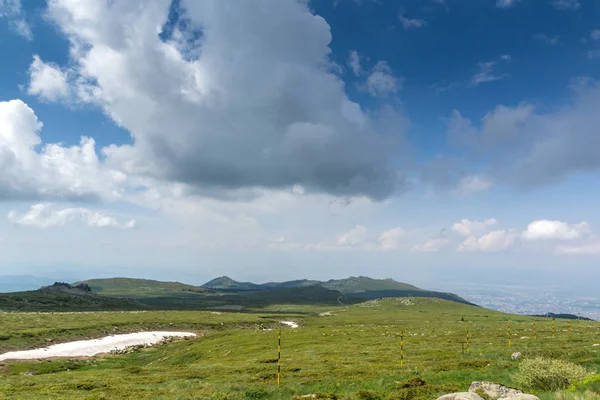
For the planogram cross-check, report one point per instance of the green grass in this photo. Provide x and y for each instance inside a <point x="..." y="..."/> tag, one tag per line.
<point x="352" y="354"/>
<point x="140" y="288"/>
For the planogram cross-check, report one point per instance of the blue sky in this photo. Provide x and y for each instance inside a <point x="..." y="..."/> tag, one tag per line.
<point x="294" y="139"/>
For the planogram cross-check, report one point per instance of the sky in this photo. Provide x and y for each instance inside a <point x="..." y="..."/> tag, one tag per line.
<point x="430" y="141"/>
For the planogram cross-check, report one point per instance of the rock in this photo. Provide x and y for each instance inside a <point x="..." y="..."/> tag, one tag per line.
<point x="493" y="390"/>
<point x="28" y="373"/>
<point x="515" y="356"/>
<point x="521" y="396"/>
<point x="596" y="345"/>
<point x="461" y="396"/>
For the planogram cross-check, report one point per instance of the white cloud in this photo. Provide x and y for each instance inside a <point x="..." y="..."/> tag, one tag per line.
<point x="45" y="215"/>
<point x="354" y="60"/>
<point x="566" y="4"/>
<point x="55" y="171"/>
<point x="593" y="54"/>
<point x="491" y="242"/>
<point x="211" y="114"/>
<point x="486" y="74"/>
<point x="555" y="230"/>
<point x="545" y="39"/>
<point x="381" y="81"/>
<point x="354" y="237"/>
<point x="468" y="227"/>
<point x="593" y="248"/>
<point x="390" y="239"/>
<point x="409" y="23"/>
<point x="47" y="81"/>
<point x="431" y="246"/>
<point x="473" y="184"/>
<point x="506" y="3"/>
<point x="13" y="11"/>
<point x="595" y="34"/>
<point x="506" y="58"/>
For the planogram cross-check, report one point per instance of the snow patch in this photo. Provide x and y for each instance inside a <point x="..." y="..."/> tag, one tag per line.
<point x="89" y="348"/>
<point x="290" y="323"/>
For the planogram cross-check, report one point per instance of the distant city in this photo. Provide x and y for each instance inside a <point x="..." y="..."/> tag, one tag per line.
<point x="529" y="300"/>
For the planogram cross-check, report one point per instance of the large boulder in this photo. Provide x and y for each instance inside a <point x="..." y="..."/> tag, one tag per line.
<point x="493" y="390"/>
<point x="461" y="396"/>
<point x="520" y="396"/>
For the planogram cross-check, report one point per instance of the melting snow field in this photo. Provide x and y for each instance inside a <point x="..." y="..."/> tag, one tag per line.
<point x="290" y="323"/>
<point x="88" y="348"/>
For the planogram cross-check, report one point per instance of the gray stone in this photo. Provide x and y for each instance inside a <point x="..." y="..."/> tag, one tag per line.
<point x="460" y="396"/>
<point x="521" y="396"/>
<point x="516" y="355"/>
<point x="493" y="390"/>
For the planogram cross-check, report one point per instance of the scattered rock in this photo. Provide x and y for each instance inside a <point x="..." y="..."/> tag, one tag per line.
<point x="515" y="356"/>
<point x="596" y="345"/>
<point x="524" y="337"/>
<point x="28" y="373"/>
<point x="461" y="396"/>
<point x="521" y="396"/>
<point x="493" y="390"/>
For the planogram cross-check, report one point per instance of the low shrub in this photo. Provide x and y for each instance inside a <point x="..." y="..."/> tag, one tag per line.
<point x="541" y="373"/>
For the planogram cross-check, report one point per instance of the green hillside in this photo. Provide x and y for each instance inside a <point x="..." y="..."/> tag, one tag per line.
<point x="225" y="282"/>
<point x="139" y="288"/>
<point x="349" y="352"/>
<point x="365" y="284"/>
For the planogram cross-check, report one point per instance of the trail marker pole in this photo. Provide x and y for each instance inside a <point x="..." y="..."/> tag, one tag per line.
<point x="401" y="349"/>
<point x="278" y="358"/>
<point x="553" y="328"/>
<point x="569" y="322"/>
<point x="534" y="332"/>
<point x="508" y="327"/>
<point x="468" y="340"/>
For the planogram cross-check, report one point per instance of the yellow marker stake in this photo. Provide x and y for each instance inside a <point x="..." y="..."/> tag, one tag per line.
<point x="278" y="358"/>
<point x="553" y="328"/>
<point x="569" y="326"/>
<point x="534" y="332"/>
<point x="401" y="349"/>
<point x="508" y="334"/>
<point x="468" y="340"/>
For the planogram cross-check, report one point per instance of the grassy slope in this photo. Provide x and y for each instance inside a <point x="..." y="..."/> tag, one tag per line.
<point x="58" y="301"/>
<point x="363" y="284"/>
<point x="355" y="349"/>
<point x="135" y="288"/>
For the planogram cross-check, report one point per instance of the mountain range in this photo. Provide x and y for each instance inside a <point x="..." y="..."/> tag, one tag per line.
<point x="221" y="293"/>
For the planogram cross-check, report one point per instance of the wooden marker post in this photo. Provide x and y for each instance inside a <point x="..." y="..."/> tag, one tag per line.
<point x="401" y="349"/>
<point x="508" y="327"/>
<point x="278" y="358"/>
<point x="553" y="328"/>
<point x="534" y="332"/>
<point x="569" y="326"/>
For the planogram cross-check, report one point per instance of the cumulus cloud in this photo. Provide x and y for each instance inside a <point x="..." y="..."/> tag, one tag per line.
<point x="473" y="184"/>
<point x="412" y="23"/>
<point x="47" y="81"/>
<point x="468" y="227"/>
<point x="381" y="80"/>
<point x="545" y="147"/>
<point x="13" y="11"/>
<point x="390" y="239"/>
<point x="355" y="63"/>
<point x="506" y="3"/>
<point x="45" y="215"/>
<point x="566" y="4"/>
<point x="55" y="171"/>
<point x="491" y="242"/>
<point x="205" y="111"/>
<point x="593" y="248"/>
<point x="354" y="237"/>
<point x="595" y="34"/>
<point x="545" y="39"/>
<point x="486" y="74"/>
<point x="431" y="246"/>
<point x="555" y="230"/>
